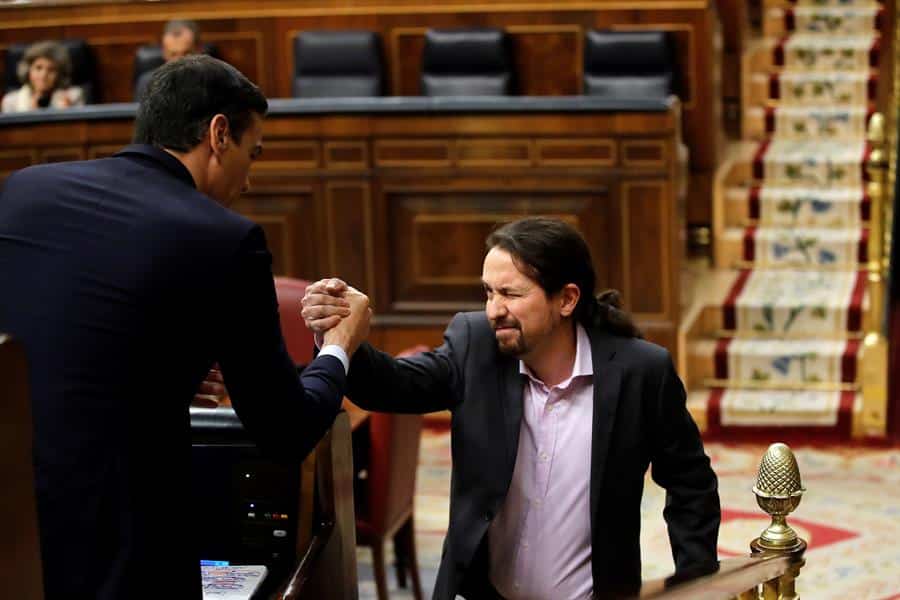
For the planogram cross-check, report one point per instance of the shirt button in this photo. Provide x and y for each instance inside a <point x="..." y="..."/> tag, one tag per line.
<point x="543" y="456"/>
<point x="537" y="502"/>
<point x="525" y="545"/>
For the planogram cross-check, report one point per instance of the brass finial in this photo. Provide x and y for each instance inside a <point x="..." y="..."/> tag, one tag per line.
<point x="778" y="491"/>
<point x="875" y="130"/>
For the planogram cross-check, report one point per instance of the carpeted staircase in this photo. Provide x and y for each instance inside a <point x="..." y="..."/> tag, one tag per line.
<point x="783" y="343"/>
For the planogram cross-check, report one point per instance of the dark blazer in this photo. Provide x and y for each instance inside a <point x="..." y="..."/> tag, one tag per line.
<point x="125" y="284"/>
<point x="640" y="419"/>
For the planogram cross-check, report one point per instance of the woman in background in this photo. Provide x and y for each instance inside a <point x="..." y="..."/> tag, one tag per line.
<point x="44" y="72"/>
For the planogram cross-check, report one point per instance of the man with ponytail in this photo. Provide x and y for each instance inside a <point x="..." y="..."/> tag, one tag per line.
<point x="558" y="409"/>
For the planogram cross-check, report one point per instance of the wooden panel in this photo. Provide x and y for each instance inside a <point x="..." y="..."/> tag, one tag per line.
<point x="542" y="50"/>
<point x="493" y="153"/>
<point x="284" y="155"/>
<point x="576" y="152"/>
<point x="288" y="219"/>
<point x="114" y="56"/>
<point x="103" y="151"/>
<point x="440" y="273"/>
<point x="644" y="153"/>
<point x="413" y="153"/>
<point x="346" y="155"/>
<point x="348" y="233"/>
<point x="647" y="228"/>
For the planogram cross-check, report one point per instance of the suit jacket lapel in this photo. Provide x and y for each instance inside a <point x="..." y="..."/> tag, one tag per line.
<point x="512" y="386"/>
<point x="607" y="384"/>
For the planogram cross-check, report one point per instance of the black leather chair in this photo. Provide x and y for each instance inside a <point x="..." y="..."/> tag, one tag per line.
<point x="84" y="68"/>
<point x="467" y="62"/>
<point x="329" y="64"/>
<point x="629" y="64"/>
<point x="149" y="57"/>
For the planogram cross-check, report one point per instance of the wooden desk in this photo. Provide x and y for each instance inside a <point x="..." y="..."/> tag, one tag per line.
<point x="396" y="195"/>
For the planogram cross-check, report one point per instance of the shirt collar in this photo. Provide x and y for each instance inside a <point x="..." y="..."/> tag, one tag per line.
<point x="162" y="158"/>
<point x="583" y="367"/>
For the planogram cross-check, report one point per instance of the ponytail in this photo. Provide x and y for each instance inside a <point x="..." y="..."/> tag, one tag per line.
<point x="608" y="314"/>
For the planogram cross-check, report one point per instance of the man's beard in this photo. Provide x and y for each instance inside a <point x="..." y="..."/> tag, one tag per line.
<point x="511" y="347"/>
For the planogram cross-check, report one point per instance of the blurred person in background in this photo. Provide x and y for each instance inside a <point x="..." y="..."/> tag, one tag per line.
<point x="45" y="73"/>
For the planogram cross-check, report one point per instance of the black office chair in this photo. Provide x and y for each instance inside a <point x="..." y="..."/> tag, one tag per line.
<point x="330" y="64"/>
<point x="467" y="62"/>
<point x="84" y="68"/>
<point x="148" y="58"/>
<point x="629" y="64"/>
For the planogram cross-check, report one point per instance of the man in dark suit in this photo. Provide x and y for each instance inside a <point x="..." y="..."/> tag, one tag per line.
<point x="558" y="408"/>
<point x="125" y="278"/>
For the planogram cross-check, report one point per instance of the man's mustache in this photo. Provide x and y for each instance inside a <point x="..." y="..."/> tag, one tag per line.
<point x="504" y="325"/>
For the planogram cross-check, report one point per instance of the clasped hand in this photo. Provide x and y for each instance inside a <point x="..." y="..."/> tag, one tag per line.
<point x="337" y="313"/>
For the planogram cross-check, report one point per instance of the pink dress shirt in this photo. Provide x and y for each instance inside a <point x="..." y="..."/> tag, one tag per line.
<point x="540" y="541"/>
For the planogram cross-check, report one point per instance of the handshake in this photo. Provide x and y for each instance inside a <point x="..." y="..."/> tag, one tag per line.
<point x="337" y="313"/>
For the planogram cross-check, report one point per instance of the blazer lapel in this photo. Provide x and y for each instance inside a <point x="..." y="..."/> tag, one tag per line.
<point x="607" y="385"/>
<point x="512" y="386"/>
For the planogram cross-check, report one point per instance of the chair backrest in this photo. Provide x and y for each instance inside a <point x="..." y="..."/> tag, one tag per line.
<point x="84" y="68"/>
<point x="330" y="64"/>
<point x="628" y="64"/>
<point x="297" y="337"/>
<point x="393" y="459"/>
<point x="467" y="62"/>
<point x="148" y="58"/>
<point x="20" y="559"/>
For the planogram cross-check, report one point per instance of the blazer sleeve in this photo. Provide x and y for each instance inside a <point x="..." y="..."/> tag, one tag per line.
<point x="680" y="465"/>
<point x="285" y="411"/>
<point x="425" y="382"/>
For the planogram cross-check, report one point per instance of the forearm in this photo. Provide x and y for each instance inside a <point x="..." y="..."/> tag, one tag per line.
<point x="382" y="383"/>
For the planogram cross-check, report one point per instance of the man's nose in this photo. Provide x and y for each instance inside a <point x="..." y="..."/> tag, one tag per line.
<point x="494" y="307"/>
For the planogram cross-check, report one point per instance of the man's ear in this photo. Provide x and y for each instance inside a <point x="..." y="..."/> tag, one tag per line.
<point x="219" y="134"/>
<point x="568" y="298"/>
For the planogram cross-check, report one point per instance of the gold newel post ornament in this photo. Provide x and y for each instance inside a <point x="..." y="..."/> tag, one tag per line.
<point x="778" y="491"/>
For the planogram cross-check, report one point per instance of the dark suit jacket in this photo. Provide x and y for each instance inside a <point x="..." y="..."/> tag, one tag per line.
<point x="639" y="419"/>
<point x="125" y="283"/>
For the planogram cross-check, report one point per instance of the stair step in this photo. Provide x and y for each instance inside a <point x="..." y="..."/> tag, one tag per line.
<point x="811" y="163"/>
<point x="803" y="247"/>
<point x="823" y="20"/>
<point x="803" y="52"/>
<point x="795" y="304"/>
<point x="777" y="364"/>
<point x="733" y="412"/>
<point x="769" y="206"/>
<point x="814" y="88"/>
<point x="807" y="122"/>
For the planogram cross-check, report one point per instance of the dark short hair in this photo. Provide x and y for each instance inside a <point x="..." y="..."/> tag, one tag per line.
<point x="184" y="95"/>
<point x="554" y="254"/>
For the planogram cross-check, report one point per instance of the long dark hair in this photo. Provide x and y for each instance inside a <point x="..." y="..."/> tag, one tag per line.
<point x="553" y="253"/>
